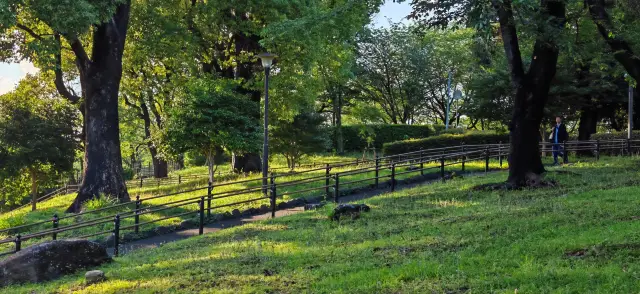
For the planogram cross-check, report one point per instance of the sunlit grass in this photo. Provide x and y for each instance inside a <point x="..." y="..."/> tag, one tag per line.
<point x="579" y="237"/>
<point x="58" y="205"/>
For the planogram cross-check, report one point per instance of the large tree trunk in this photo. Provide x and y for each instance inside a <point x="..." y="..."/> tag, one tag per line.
<point x="532" y="89"/>
<point x="160" y="166"/>
<point x="100" y="80"/>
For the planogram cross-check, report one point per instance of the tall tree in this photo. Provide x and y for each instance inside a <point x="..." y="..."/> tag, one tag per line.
<point x="37" y="133"/>
<point x="211" y="117"/>
<point x="41" y="31"/>
<point x="531" y="85"/>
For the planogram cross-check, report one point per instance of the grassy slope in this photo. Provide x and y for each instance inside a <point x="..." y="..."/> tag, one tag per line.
<point x="59" y="204"/>
<point x="577" y="238"/>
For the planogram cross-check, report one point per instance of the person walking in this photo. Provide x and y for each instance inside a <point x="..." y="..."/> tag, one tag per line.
<point x="558" y="136"/>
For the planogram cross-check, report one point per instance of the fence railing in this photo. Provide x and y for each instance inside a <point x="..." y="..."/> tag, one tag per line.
<point x="330" y="183"/>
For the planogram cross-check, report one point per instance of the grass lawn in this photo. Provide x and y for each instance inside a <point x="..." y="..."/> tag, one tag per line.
<point x="580" y="237"/>
<point x="57" y="205"/>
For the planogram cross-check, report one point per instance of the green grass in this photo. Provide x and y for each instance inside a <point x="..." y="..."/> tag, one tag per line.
<point x="580" y="237"/>
<point x="57" y="205"/>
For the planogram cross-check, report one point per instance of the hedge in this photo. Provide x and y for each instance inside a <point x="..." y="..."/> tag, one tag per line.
<point x="383" y="134"/>
<point x="615" y="135"/>
<point x="446" y="140"/>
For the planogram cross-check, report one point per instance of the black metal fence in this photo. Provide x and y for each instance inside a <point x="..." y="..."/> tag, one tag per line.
<point x="329" y="184"/>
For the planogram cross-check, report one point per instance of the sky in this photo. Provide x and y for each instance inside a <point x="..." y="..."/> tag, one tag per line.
<point x="12" y="73"/>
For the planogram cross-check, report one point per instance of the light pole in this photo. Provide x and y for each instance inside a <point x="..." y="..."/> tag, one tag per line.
<point x="630" y="122"/>
<point x="267" y="59"/>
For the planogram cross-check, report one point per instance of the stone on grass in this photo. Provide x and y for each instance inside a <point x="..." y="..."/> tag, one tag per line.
<point x="350" y="210"/>
<point x="51" y="260"/>
<point x="95" y="276"/>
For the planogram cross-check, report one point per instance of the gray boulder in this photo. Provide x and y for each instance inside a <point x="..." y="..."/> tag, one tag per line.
<point x="51" y="260"/>
<point x="350" y="210"/>
<point x="93" y="277"/>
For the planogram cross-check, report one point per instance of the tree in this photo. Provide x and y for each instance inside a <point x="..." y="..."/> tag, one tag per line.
<point x="303" y="135"/>
<point x="37" y="134"/>
<point x="43" y="31"/>
<point x="531" y="85"/>
<point x="212" y="116"/>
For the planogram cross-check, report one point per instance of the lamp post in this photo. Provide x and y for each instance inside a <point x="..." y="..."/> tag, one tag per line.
<point x="630" y="122"/>
<point x="267" y="60"/>
<point x="456" y="95"/>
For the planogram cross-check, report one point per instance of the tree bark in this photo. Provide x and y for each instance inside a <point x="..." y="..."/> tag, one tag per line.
<point x="100" y="80"/>
<point x="338" y="116"/>
<point x="532" y="90"/>
<point x="34" y="188"/>
<point x="160" y="166"/>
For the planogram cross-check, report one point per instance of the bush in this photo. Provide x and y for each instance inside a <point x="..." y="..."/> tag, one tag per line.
<point x="353" y="141"/>
<point x="446" y="140"/>
<point x="614" y="136"/>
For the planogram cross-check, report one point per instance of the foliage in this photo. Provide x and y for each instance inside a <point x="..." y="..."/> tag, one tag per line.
<point x="302" y="136"/>
<point x="37" y="134"/>
<point x="446" y="140"/>
<point x="353" y="141"/>
<point x="212" y="116"/>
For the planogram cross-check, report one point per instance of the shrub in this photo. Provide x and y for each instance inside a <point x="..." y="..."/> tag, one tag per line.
<point x="353" y="141"/>
<point x="614" y="136"/>
<point x="446" y="140"/>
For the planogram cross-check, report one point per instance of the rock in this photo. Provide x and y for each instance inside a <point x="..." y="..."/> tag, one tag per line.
<point x="235" y="213"/>
<point x="351" y="210"/>
<point x="110" y="241"/>
<point x="265" y="208"/>
<point x="313" y="206"/>
<point x="51" y="260"/>
<point x="95" y="276"/>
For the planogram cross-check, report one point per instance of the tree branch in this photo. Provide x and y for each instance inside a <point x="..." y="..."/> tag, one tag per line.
<point x="621" y="49"/>
<point x="59" y="80"/>
<point x="29" y="31"/>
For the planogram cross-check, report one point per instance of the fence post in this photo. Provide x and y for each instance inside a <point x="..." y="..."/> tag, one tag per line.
<point x="629" y="147"/>
<point x="500" y="153"/>
<point x="201" y="215"/>
<point x="393" y="177"/>
<point x="327" y="180"/>
<point x="136" y="218"/>
<point x="116" y="235"/>
<point x="486" y="160"/>
<point x="55" y="221"/>
<point x="565" y="153"/>
<point x="18" y="242"/>
<point x="464" y="156"/>
<point x="209" y="197"/>
<point x="357" y="162"/>
<point x="377" y="170"/>
<point x="597" y="149"/>
<point x="179" y="179"/>
<point x="442" y="169"/>
<point x="273" y="196"/>
<point x="336" y="189"/>
<point x="141" y="179"/>
<point x="421" y="162"/>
